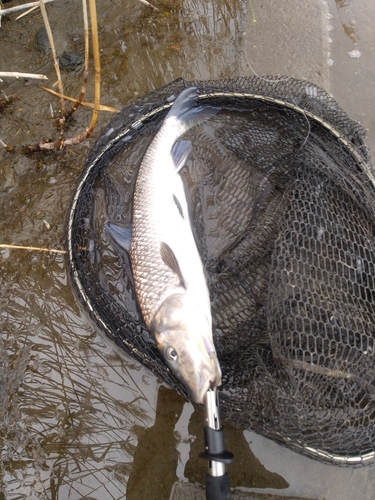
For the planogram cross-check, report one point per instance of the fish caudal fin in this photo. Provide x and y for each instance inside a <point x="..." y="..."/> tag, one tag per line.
<point x="186" y="111"/>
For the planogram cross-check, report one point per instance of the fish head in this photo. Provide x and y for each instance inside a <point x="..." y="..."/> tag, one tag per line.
<point x="183" y="333"/>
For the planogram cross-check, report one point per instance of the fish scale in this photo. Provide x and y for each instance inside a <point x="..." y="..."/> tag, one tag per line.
<point x="153" y="278"/>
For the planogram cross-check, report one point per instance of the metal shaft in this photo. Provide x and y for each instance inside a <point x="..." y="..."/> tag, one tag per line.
<point x="212" y="419"/>
<point x="217" y="480"/>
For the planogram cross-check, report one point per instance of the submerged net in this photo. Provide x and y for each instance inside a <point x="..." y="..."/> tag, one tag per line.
<point x="281" y="193"/>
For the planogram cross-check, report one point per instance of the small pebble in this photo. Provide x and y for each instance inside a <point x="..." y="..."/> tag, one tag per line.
<point x="42" y="42"/>
<point x="355" y="53"/>
<point x="4" y="254"/>
<point x="70" y="61"/>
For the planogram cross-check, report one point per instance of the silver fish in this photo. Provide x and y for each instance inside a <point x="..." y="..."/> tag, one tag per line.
<point x="168" y="272"/>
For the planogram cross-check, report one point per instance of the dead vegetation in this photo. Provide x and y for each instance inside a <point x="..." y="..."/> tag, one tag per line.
<point x="89" y="17"/>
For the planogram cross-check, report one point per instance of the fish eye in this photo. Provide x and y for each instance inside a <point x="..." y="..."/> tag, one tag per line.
<point x="171" y="354"/>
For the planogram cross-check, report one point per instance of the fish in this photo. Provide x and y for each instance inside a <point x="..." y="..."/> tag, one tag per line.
<point x="169" y="276"/>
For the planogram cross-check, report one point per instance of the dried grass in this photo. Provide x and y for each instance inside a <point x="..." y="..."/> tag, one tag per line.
<point x="61" y="143"/>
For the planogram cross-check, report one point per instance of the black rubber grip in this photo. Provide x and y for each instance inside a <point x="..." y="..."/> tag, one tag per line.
<point x="217" y="488"/>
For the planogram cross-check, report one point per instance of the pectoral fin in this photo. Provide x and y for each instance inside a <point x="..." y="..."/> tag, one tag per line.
<point x="181" y="151"/>
<point x="169" y="258"/>
<point x="120" y="235"/>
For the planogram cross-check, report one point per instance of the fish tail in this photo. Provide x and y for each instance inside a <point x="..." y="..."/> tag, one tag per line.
<point x="186" y="111"/>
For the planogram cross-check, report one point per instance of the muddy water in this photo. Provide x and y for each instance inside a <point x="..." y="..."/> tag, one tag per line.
<point x="78" y="417"/>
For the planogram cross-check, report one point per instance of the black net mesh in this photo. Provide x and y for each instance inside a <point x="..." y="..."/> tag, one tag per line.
<point x="282" y="202"/>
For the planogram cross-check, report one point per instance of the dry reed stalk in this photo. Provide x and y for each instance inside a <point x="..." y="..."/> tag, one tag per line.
<point x="95" y="48"/>
<point x="5" y="146"/>
<point x="15" y="74"/>
<point x="4" y="12"/>
<point x="27" y="12"/>
<point x="59" y="144"/>
<point x="86" y="104"/>
<point x="57" y="67"/>
<point x="78" y="101"/>
<point x="149" y="4"/>
<point x="21" y="247"/>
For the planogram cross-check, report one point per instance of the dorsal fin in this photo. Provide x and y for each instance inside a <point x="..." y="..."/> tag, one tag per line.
<point x="170" y="260"/>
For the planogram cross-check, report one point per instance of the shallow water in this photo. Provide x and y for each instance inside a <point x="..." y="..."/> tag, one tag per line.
<point x="80" y="418"/>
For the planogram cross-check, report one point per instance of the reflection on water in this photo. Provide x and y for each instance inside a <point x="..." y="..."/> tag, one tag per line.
<point x="199" y="40"/>
<point x="78" y="418"/>
<point x="347" y="25"/>
<point x="70" y="400"/>
<point x="155" y="459"/>
<point x="342" y="3"/>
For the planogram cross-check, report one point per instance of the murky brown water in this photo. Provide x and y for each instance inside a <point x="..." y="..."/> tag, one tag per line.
<point x="78" y="417"/>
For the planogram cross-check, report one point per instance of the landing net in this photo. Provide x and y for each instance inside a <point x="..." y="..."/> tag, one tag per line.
<point x="281" y="194"/>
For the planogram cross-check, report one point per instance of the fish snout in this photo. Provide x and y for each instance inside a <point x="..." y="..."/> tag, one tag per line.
<point x="209" y="378"/>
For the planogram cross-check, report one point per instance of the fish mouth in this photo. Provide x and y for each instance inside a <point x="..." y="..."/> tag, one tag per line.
<point x="209" y="378"/>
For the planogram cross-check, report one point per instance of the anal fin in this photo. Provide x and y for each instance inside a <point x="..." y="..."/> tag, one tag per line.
<point x="120" y="235"/>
